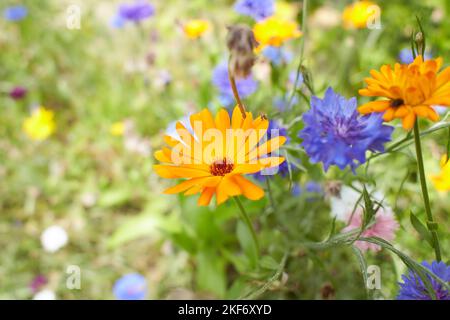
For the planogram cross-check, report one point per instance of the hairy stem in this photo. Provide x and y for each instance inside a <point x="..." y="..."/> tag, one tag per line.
<point x="235" y="92"/>
<point x="302" y="49"/>
<point x="431" y="225"/>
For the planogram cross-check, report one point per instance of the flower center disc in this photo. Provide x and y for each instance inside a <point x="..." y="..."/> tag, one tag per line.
<point x="397" y="103"/>
<point x="221" y="167"/>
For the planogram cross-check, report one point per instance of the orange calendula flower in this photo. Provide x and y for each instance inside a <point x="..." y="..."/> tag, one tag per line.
<point x="357" y="15"/>
<point x="411" y="90"/>
<point x="214" y="154"/>
<point x="40" y="125"/>
<point x="274" y="30"/>
<point x="442" y="180"/>
<point x="194" y="29"/>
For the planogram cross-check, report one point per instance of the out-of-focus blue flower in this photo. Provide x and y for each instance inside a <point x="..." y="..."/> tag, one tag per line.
<point x="311" y="188"/>
<point x="405" y="56"/>
<point x="282" y="103"/>
<point x="441" y="109"/>
<point x="275" y="130"/>
<point x="15" y="13"/>
<point x="257" y="9"/>
<point x="137" y="11"/>
<point x="117" y="21"/>
<point x="292" y="76"/>
<point x="277" y="55"/>
<point x="132" y="286"/>
<point x="413" y="287"/>
<point x="336" y="134"/>
<point x="220" y="79"/>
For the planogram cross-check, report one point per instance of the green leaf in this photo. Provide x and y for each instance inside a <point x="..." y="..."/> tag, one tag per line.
<point x="210" y="273"/>
<point x="246" y="241"/>
<point x="369" y="212"/>
<point x="362" y="265"/>
<point x="150" y="224"/>
<point x="185" y="241"/>
<point x="421" y="229"/>
<point x="114" y="197"/>
<point x="267" y="262"/>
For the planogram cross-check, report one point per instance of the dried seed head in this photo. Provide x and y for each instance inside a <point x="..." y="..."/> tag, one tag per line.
<point x="241" y="42"/>
<point x="333" y="188"/>
<point x="327" y="291"/>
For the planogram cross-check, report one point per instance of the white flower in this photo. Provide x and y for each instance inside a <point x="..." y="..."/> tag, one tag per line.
<point x="54" y="238"/>
<point x="345" y="202"/>
<point x="45" y="294"/>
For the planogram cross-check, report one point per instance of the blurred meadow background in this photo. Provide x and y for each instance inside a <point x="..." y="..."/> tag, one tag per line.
<point x="111" y="89"/>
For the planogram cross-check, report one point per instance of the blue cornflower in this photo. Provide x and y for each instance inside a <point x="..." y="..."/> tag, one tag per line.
<point x="282" y="102"/>
<point x="405" y="56"/>
<point x="15" y="13"/>
<point x="413" y="287"/>
<point x="292" y="76"/>
<point x="310" y="187"/>
<point x="132" y="286"/>
<point x="117" y="21"/>
<point x="275" y="130"/>
<point x="336" y="134"/>
<point x="137" y="11"/>
<point x="220" y="79"/>
<point x="257" y="9"/>
<point x="277" y="55"/>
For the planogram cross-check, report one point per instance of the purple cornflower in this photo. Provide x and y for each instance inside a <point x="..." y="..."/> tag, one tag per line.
<point x="405" y="56"/>
<point x="292" y="76"/>
<point x="275" y="130"/>
<point x="18" y="93"/>
<point x="137" y="11"/>
<point x="132" y="286"/>
<point x="257" y="9"/>
<point x="277" y="55"/>
<point x="311" y="188"/>
<point x="336" y="134"/>
<point x="37" y="283"/>
<point x="413" y="287"/>
<point x="245" y="86"/>
<point x="282" y="102"/>
<point x="117" y="21"/>
<point x="15" y="13"/>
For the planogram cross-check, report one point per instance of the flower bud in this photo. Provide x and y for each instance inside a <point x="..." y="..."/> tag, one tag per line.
<point x="241" y="42"/>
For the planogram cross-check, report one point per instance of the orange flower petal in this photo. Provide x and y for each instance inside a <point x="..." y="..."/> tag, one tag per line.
<point x="206" y="196"/>
<point x="249" y="190"/>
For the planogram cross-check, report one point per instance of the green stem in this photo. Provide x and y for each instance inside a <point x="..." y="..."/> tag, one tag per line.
<point x="448" y="145"/>
<point x="432" y="226"/>
<point x="269" y="190"/>
<point x="246" y="220"/>
<point x="235" y="91"/>
<point x="302" y="49"/>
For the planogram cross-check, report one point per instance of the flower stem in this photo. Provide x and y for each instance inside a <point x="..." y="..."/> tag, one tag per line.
<point x="302" y="49"/>
<point x="246" y="220"/>
<point x="432" y="226"/>
<point x="269" y="190"/>
<point x="235" y="92"/>
<point x="448" y="145"/>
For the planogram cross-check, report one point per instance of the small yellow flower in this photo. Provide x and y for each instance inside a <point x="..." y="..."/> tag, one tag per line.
<point x="194" y="29"/>
<point x="274" y="31"/>
<point x="286" y="10"/>
<point x="40" y="125"/>
<point x="356" y="15"/>
<point x="442" y="180"/>
<point x="117" y="128"/>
